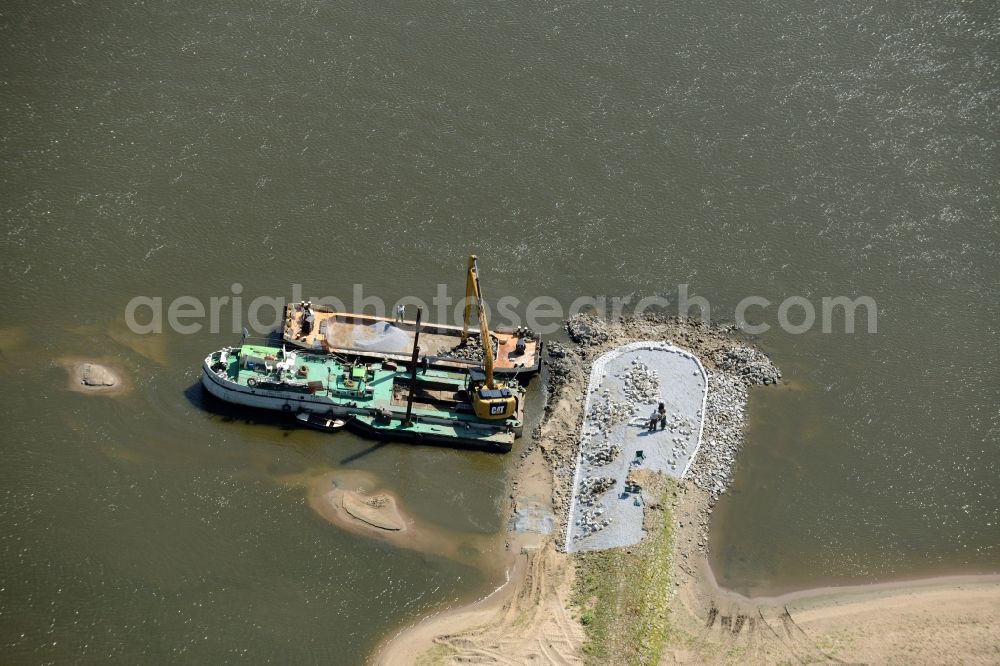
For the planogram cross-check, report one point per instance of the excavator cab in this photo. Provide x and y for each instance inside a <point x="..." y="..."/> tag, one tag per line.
<point x="490" y="403"/>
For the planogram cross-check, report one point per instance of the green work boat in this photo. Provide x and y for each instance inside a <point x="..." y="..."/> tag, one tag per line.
<point x="382" y="400"/>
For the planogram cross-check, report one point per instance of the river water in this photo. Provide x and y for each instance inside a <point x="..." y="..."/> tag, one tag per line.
<point x="771" y="149"/>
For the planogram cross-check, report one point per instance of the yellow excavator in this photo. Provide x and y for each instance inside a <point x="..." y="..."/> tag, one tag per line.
<point x="489" y="401"/>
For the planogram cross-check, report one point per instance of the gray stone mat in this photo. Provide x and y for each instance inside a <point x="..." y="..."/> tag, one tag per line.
<point x="614" y="439"/>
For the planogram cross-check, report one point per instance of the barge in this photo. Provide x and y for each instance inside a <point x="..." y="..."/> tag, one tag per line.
<point x="381" y="400"/>
<point x="318" y="328"/>
<point x="427" y="400"/>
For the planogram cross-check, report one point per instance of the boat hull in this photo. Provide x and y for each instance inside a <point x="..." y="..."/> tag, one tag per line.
<point x="362" y="420"/>
<point x="263" y="399"/>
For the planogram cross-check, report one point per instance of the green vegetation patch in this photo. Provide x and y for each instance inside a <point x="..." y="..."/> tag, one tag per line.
<point x="439" y="654"/>
<point x="623" y="593"/>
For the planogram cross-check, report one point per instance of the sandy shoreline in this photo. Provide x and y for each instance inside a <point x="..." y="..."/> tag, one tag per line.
<point x="538" y="582"/>
<point x="529" y="619"/>
<point x="904" y="621"/>
<point x="417" y="638"/>
<point x="801" y="596"/>
<point x="947" y="619"/>
<point x="827" y="597"/>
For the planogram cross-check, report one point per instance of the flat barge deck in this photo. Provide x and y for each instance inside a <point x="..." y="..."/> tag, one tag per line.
<point x="380" y="338"/>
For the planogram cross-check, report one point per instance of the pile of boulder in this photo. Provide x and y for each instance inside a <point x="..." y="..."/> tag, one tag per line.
<point x="748" y="363"/>
<point x="599" y="452"/>
<point x="725" y="416"/>
<point x="592" y="487"/>
<point x="469" y="350"/>
<point x="590" y="521"/>
<point x="587" y="330"/>
<point x="606" y="413"/>
<point x="723" y="434"/>
<point x="641" y="384"/>
<point x="556" y="350"/>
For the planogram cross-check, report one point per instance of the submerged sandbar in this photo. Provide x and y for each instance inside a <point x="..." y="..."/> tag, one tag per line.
<point x="93" y="377"/>
<point x="358" y="503"/>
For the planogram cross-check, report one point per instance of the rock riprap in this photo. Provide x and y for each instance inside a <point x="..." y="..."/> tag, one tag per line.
<point x="587" y="330"/>
<point x="748" y="363"/>
<point x="725" y="415"/>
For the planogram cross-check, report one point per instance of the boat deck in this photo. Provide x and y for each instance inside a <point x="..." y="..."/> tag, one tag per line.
<point x="365" y="392"/>
<point x="382" y="337"/>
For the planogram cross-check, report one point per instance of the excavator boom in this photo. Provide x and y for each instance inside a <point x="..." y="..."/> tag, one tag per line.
<point x="488" y="402"/>
<point x="474" y="291"/>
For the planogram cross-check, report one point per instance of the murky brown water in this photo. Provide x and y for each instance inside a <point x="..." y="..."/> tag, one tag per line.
<point x="774" y="149"/>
